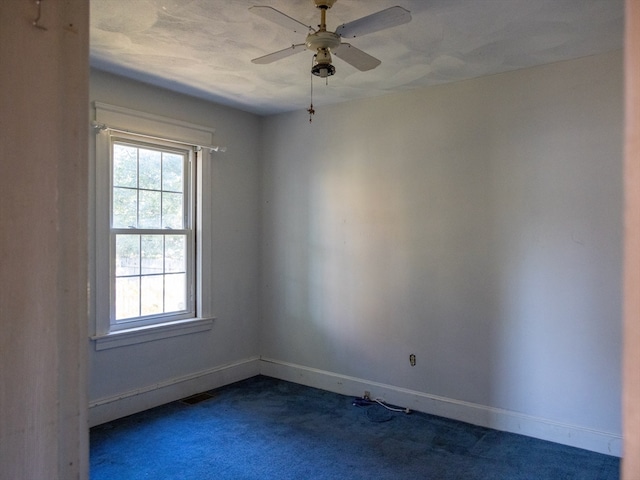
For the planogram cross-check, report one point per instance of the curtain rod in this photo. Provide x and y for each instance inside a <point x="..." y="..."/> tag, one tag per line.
<point x="99" y="127"/>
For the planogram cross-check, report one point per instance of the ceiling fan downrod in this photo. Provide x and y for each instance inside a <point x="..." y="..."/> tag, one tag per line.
<point x="323" y="5"/>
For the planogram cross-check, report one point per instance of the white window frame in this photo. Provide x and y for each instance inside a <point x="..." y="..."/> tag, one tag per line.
<point x="121" y="123"/>
<point x="189" y="230"/>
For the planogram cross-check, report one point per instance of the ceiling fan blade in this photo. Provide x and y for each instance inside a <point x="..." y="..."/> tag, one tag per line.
<point x="276" y="16"/>
<point x="356" y="57"/>
<point x="375" y="22"/>
<point x="280" y="54"/>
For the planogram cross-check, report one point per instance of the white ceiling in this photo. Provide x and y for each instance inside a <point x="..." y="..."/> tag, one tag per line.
<point x="204" y="47"/>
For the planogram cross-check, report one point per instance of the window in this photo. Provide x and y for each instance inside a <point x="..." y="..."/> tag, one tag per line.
<point x="152" y="240"/>
<point x="152" y="274"/>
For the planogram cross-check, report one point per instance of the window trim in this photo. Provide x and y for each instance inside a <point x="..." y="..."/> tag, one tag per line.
<point x="147" y="126"/>
<point x="148" y="333"/>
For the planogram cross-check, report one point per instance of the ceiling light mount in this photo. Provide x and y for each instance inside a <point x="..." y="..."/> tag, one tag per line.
<point x="324" y="4"/>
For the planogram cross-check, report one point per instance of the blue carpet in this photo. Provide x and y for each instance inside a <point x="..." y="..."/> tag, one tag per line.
<point x="264" y="428"/>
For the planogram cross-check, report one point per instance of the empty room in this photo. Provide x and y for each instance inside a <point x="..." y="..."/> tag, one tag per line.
<point x="399" y="216"/>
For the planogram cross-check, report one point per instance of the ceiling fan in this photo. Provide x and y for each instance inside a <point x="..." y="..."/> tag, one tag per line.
<point x="324" y="42"/>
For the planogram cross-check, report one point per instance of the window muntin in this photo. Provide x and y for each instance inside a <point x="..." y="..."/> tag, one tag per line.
<point x="152" y="235"/>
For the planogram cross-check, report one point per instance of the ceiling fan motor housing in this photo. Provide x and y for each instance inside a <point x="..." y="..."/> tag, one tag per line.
<point x="322" y="39"/>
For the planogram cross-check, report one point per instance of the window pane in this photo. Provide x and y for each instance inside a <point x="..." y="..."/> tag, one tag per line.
<point x="127" y="297"/>
<point x="172" y="210"/>
<point x="172" y="172"/>
<point x="152" y="262"/>
<point x="125" y="208"/>
<point x="175" y="253"/>
<point x="150" y="169"/>
<point x="127" y="255"/>
<point x="176" y="292"/>
<point x="125" y="166"/>
<point x="151" y="295"/>
<point x="149" y="210"/>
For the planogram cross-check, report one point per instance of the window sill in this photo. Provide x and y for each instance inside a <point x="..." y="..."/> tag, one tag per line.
<point x="150" y="333"/>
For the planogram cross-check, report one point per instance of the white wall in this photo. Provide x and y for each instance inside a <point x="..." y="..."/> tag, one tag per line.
<point x="43" y="269"/>
<point x="476" y="225"/>
<point x="155" y="372"/>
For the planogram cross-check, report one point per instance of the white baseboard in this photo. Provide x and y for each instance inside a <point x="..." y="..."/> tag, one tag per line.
<point x="127" y="403"/>
<point x="133" y="401"/>
<point x="504" y="420"/>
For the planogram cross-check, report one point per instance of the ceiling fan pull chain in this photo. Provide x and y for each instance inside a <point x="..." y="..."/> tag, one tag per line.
<point x="310" y="109"/>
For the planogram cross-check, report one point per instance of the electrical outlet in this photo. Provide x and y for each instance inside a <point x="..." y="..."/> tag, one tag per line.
<point x="412" y="360"/>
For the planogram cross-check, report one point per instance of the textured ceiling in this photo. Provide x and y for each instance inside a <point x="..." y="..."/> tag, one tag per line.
<point x="204" y="47"/>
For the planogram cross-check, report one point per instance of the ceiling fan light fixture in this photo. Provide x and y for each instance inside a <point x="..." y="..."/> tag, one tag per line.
<point x="323" y="70"/>
<point x="322" y="66"/>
